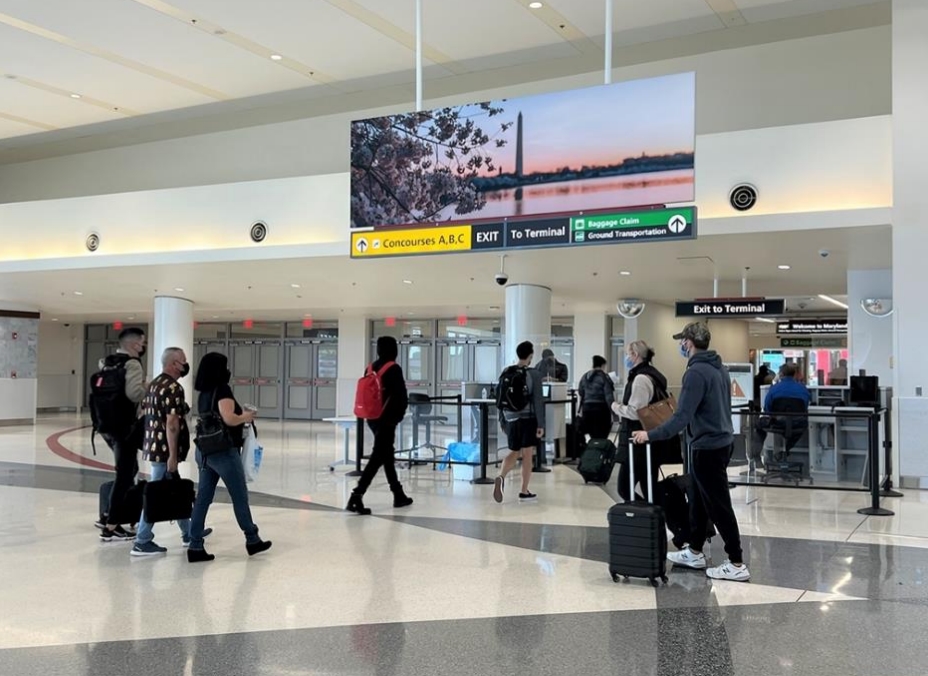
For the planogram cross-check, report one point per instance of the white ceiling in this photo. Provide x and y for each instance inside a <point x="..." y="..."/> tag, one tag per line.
<point x="128" y="59"/>
<point x="463" y="283"/>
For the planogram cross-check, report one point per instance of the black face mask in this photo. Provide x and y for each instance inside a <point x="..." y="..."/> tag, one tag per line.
<point x="185" y="370"/>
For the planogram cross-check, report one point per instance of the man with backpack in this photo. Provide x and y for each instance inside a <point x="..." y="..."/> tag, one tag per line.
<point x="520" y="400"/>
<point x="115" y="394"/>
<point x="382" y="400"/>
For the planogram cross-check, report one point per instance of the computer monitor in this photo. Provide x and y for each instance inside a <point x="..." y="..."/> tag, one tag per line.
<point x="865" y="391"/>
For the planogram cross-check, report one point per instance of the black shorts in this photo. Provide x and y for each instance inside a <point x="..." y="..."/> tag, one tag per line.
<point x="523" y="433"/>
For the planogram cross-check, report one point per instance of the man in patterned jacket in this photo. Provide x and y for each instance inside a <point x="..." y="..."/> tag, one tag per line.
<point x="164" y="408"/>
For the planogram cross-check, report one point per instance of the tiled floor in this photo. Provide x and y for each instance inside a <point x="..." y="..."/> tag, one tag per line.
<point x="454" y="585"/>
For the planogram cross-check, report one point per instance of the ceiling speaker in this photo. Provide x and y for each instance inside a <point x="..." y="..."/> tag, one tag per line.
<point x="93" y="242"/>
<point x="629" y="308"/>
<point x="258" y="232"/>
<point x="743" y="197"/>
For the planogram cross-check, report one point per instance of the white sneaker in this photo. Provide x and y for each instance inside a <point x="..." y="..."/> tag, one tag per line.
<point x="687" y="558"/>
<point x="729" y="571"/>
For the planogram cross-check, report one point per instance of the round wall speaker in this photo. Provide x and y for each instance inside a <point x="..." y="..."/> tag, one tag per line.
<point x="93" y="241"/>
<point x="743" y="197"/>
<point x="258" y="232"/>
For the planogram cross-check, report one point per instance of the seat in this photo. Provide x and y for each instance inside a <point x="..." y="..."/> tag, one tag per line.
<point x="421" y="405"/>
<point x="787" y="430"/>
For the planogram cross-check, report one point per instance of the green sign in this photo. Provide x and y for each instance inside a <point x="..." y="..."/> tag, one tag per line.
<point x="813" y="342"/>
<point x="634" y="225"/>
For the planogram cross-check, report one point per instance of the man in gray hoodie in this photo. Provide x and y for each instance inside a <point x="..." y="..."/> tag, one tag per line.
<point x="704" y="410"/>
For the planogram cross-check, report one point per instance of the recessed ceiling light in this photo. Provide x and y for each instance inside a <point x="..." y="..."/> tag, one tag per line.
<point x="294" y="286"/>
<point x="410" y="313"/>
<point x="833" y="301"/>
<point x="276" y="57"/>
<point x="178" y="289"/>
<point x="535" y="5"/>
<point x="78" y="293"/>
<point x="494" y="308"/>
<point x="783" y="267"/>
<point x="75" y="96"/>
<point x="625" y="273"/>
<point x="765" y="320"/>
<point x="407" y="281"/>
<point x="215" y="316"/>
<point x="54" y="319"/>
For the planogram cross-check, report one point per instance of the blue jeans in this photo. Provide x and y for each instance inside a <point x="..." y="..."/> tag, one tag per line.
<point x="144" y="534"/>
<point x="228" y="467"/>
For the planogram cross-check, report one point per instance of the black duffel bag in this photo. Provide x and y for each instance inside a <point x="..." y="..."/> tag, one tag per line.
<point x="170" y="499"/>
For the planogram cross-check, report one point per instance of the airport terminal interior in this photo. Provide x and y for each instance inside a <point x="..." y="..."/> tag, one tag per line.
<point x="294" y="186"/>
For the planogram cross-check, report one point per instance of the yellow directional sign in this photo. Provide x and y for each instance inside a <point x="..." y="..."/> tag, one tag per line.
<point x="380" y="243"/>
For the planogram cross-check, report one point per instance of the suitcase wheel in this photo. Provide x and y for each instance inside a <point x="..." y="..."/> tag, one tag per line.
<point x="664" y="579"/>
<point x="615" y="577"/>
<point x="653" y="581"/>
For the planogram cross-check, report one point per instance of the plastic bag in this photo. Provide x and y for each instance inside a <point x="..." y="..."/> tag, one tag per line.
<point x="460" y="451"/>
<point x="252" y="453"/>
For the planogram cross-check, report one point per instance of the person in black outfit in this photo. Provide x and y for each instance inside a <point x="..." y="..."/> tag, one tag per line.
<point x="551" y="369"/>
<point x="646" y="385"/>
<point x="597" y="394"/>
<point x="215" y="395"/>
<point x="396" y="401"/>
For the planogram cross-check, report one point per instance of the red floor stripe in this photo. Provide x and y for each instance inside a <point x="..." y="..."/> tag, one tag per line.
<point x="55" y="446"/>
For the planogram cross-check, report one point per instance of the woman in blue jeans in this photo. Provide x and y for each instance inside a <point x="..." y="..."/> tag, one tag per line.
<point x="215" y="394"/>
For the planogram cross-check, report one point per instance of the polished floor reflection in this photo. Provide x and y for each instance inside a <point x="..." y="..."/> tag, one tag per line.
<point x="457" y="584"/>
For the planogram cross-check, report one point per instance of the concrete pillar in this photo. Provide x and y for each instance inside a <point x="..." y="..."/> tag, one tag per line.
<point x="592" y="330"/>
<point x="870" y="339"/>
<point x="354" y="354"/>
<point x="172" y="327"/>
<point x="910" y="231"/>
<point x="528" y="317"/>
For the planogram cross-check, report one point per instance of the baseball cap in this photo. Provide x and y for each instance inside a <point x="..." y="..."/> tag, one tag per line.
<point x="695" y="331"/>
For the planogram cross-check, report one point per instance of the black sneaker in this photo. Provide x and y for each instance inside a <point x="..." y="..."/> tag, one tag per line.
<point x="525" y="497"/>
<point x="101" y="524"/>
<point x="116" y="535"/>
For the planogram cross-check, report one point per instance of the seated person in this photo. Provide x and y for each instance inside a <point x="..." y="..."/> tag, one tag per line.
<point x="838" y="377"/>
<point x="786" y="396"/>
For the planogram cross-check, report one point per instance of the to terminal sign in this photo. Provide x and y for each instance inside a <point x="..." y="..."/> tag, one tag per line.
<point x="734" y="307"/>
<point x="628" y="227"/>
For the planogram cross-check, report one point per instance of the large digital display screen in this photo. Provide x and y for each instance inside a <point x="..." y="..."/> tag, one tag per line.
<point x="615" y="146"/>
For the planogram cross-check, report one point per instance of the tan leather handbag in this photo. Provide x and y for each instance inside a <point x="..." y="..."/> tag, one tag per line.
<point x="656" y="414"/>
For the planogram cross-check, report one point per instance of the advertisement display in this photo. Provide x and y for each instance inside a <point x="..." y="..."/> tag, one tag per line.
<point x="610" y="147"/>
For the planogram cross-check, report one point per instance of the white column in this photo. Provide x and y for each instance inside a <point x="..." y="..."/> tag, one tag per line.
<point x="910" y="228"/>
<point x="870" y="339"/>
<point x="354" y="353"/>
<point x="173" y="327"/>
<point x="591" y="338"/>
<point x="528" y="317"/>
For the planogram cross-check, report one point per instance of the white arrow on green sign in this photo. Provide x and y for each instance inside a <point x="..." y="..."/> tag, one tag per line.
<point x="635" y="225"/>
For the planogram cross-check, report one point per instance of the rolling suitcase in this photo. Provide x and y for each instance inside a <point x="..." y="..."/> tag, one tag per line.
<point x="597" y="461"/>
<point x="637" y="534"/>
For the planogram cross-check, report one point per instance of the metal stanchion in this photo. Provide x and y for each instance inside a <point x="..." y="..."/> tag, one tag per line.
<point x="873" y="456"/>
<point x="460" y="407"/>
<point x="887" y="490"/>
<point x="358" y="450"/>
<point x="484" y="444"/>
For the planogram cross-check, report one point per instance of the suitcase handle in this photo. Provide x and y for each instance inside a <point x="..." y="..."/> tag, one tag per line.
<point x="631" y="472"/>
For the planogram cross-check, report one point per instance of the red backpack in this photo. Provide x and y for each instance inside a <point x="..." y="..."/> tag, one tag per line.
<point x="368" y="398"/>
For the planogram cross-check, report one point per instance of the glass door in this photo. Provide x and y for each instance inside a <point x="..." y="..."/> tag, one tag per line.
<point x="268" y="379"/>
<point x="417" y="362"/>
<point x="298" y="388"/>
<point x="242" y="359"/>
<point x="325" y="379"/>
<point x="455" y="366"/>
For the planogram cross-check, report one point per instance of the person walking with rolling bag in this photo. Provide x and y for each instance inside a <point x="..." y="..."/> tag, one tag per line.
<point x="646" y="385"/>
<point x="219" y="440"/>
<point x="704" y="411"/>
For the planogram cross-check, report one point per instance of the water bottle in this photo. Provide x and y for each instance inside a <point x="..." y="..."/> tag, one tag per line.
<point x="483" y="394"/>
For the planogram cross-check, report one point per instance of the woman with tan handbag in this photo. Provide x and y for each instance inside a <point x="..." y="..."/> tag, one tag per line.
<point x="645" y="386"/>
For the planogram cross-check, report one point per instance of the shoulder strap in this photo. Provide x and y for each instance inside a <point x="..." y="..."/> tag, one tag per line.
<point x="383" y="369"/>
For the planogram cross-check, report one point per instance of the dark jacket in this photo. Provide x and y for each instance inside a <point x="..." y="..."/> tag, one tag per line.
<point x="394" y="392"/>
<point x="552" y="369"/>
<point x="657" y="378"/>
<point x="596" y="388"/>
<point x="704" y="407"/>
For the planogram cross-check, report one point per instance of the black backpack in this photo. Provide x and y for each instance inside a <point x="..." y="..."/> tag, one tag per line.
<point x="512" y="391"/>
<point x="111" y="411"/>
